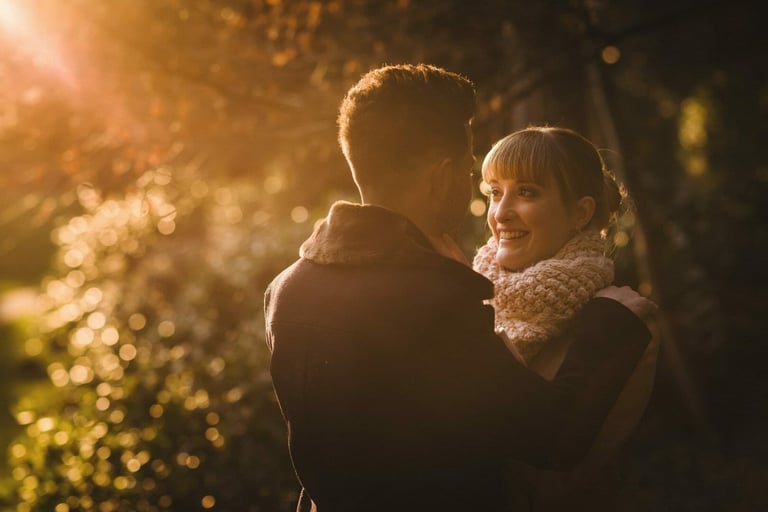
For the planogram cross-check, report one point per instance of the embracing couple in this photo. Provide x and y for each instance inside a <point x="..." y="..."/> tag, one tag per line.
<point x="413" y="380"/>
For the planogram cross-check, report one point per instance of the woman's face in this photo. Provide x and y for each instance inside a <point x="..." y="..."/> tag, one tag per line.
<point x="529" y="221"/>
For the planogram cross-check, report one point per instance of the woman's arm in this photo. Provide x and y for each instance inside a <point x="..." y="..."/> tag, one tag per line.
<point x="547" y="424"/>
<point x="629" y="407"/>
<point x="548" y="361"/>
<point x="605" y="341"/>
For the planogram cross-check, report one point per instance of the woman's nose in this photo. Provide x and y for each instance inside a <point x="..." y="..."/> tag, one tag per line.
<point x="504" y="211"/>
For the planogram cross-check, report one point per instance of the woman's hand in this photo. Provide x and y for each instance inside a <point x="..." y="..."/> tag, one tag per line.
<point x="644" y="308"/>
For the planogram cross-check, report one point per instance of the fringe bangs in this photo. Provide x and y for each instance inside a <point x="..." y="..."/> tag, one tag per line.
<point x="524" y="156"/>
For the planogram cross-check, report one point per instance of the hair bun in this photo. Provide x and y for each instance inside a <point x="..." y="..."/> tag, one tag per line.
<point x="616" y="201"/>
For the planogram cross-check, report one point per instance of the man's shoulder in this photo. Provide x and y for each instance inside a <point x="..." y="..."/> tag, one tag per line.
<point x="284" y="274"/>
<point x="278" y="282"/>
<point x="437" y="271"/>
<point x="385" y="289"/>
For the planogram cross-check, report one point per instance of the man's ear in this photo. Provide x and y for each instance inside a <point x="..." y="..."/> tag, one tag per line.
<point x="583" y="212"/>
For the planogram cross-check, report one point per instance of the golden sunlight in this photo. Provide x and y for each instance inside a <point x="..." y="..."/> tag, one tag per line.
<point x="10" y="16"/>
<point x="26" y="34"/>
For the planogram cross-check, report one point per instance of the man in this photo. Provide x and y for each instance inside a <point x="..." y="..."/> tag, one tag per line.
<point x="397" y="393"/>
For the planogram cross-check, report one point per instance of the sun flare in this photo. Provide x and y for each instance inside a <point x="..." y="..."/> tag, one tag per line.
<point x="24" y="33"/>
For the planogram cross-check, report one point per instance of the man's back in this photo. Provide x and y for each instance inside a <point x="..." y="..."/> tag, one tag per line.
<point x="364" y="388"/>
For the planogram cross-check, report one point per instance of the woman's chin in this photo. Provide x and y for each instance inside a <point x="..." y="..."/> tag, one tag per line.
<point x="509" y="261"/>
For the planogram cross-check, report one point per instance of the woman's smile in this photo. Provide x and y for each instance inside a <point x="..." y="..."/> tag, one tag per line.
<point x="511" y="235"/>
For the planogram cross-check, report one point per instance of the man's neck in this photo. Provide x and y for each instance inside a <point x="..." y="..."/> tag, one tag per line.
<point x="409" y="207"/>
<point x="413" y="210"/>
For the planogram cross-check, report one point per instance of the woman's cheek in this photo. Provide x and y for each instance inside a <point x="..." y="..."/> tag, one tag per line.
<point x="489" y="217"/>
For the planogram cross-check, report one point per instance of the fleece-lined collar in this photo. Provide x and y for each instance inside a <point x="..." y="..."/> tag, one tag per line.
<point x="354" y="234"/>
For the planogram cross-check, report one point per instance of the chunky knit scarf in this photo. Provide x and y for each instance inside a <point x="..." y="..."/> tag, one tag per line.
<point x="533" y="305"/>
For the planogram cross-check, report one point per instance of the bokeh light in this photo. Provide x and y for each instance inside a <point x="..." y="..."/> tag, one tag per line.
<point x="477" y="207"/>
<point x="620" y="239"/>
<point x="299" y="214"/>
<point x="610" y="55"/>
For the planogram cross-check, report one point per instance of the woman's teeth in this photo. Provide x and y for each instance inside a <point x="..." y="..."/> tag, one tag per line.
<point x="512" y="235"/>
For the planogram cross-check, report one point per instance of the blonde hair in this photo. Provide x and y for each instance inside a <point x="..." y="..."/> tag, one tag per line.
<point x="543" y="153"/>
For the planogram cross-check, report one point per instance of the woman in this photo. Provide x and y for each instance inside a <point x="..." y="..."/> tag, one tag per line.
<point x="551" y="200"/>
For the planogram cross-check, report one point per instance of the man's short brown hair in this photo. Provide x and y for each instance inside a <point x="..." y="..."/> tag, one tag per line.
<point x="399" y="117"/>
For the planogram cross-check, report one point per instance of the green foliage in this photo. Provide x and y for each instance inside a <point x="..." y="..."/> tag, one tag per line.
<point x="154" y="322"/>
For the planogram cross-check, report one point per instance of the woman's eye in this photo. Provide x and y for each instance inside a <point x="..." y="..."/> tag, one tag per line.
<point x="526" y="191"/>
<point x="495" y="193"/>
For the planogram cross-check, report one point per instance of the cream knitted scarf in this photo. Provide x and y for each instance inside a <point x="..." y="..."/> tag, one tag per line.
<point x="533" y="305"/>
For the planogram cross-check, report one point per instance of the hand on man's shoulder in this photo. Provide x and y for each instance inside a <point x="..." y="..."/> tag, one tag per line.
<point x="643" y="307"/>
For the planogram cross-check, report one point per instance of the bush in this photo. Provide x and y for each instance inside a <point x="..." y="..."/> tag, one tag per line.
<point x="153" y="333"/>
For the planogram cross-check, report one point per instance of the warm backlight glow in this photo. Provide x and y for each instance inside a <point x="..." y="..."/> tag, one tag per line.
<point x="11" y="18"/>
<point x="25" y="32"/>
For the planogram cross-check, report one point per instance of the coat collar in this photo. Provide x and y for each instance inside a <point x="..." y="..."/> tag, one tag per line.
<point x="365" y="234"/>
<point x="355" y="234"/>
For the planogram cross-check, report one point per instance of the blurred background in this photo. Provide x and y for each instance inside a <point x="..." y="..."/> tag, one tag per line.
<point x="162" y="160"/>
